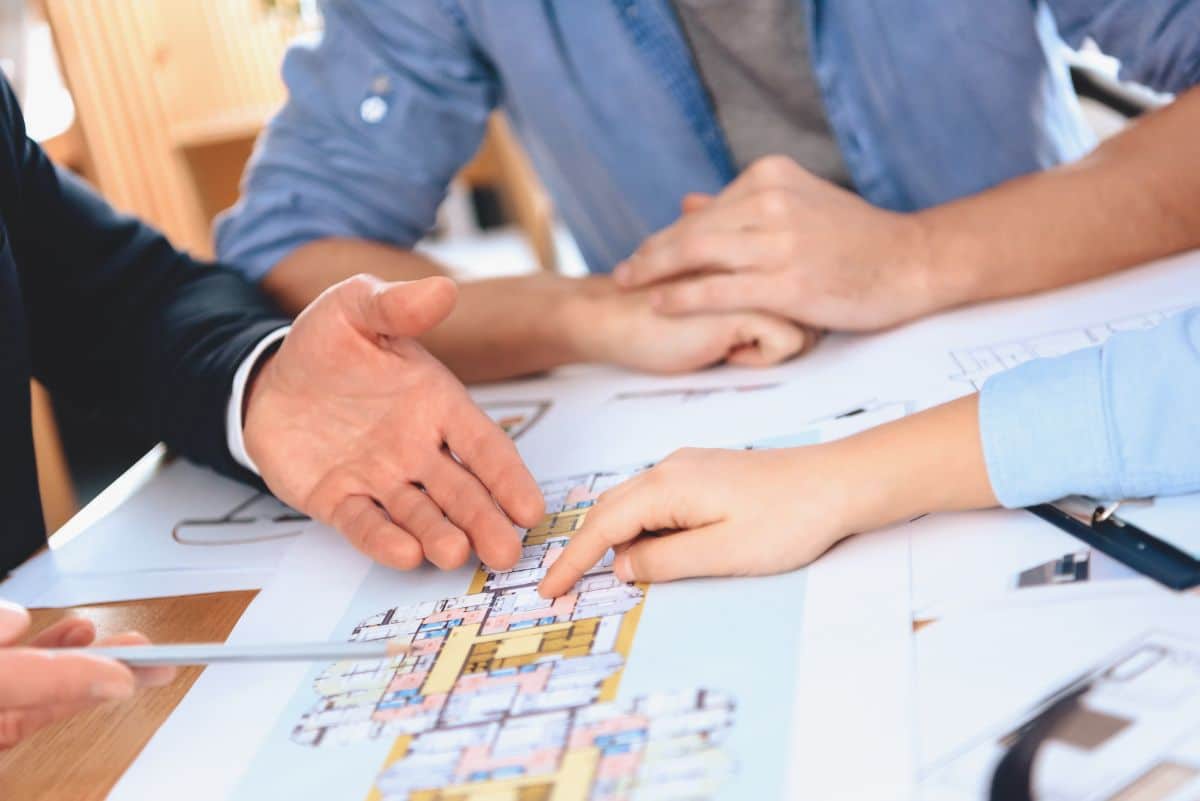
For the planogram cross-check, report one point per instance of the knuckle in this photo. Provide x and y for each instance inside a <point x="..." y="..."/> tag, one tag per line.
<point x="773" y="167"/>
<point x="773" y="203"/>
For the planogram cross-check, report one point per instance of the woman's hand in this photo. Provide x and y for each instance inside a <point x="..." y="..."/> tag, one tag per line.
<point x="740" y="513"/>
<point x="39" y="686"/>
<point x="716" y="513"/>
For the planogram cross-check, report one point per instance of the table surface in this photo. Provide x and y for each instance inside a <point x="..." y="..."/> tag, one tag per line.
<point x="82" y="760"/>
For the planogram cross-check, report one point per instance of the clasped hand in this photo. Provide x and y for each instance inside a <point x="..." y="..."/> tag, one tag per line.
<point x="780" y="240"/>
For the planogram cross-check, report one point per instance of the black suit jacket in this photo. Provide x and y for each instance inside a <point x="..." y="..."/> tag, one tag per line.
<point x="102" y="310"/>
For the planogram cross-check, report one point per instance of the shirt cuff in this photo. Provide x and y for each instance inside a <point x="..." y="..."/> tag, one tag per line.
<point x="1044" y="430"/>
<point x="237" y="398"/>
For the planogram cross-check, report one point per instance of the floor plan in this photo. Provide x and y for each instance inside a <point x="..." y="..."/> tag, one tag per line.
<point x="976" y="364"/>
<point x="507" y="694"/>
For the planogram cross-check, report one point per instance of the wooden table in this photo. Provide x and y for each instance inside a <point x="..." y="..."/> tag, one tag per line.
<point x="81" y="760"/>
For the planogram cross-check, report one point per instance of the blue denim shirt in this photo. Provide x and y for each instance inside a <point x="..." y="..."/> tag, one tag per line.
<point x="928" y="100"/>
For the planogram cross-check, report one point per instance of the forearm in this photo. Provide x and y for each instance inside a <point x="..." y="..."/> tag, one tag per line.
<point x="929" y="462"/>
<point x="500" y="328"/>
<point x="1134" y="199"/>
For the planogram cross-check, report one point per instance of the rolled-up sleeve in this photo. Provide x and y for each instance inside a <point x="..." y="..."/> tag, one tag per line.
<point x="1156" y="41"/>
<point x="383" y="108"/>
<point x="1118" y="421"/>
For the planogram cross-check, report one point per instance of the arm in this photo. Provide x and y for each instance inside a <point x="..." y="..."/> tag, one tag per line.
<point x="349" y="418"/>
<point x="786" y="242"/>
<point x="120" y="322"/>
<point x="331" y="194"/>
<point x="1118" y="421"/>
<point x="515" y="326"/>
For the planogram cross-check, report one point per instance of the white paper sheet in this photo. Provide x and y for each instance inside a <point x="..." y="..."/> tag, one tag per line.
<point x="1008" y="558"/>
<point x="976" y="673"/>
<point x="715" y="660"/>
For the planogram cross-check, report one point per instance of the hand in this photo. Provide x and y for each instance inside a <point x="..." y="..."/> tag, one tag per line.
<point x="741" y="513"/>
<point x="728" y="513"/>
<point x="39" y="687"/>
<point x="622" y="328"/>
<point x="782" y="241"/>
<point x="355" y="424"/>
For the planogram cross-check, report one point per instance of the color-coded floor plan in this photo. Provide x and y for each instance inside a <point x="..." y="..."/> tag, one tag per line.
<point x="510" y="696"/>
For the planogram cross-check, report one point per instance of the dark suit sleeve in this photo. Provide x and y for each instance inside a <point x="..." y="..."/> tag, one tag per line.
<point x="119" y="321"/>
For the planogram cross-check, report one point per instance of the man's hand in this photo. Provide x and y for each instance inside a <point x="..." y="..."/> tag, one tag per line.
<point x="781" y="240"/>
<point x="355" y="424"/>
<point x="613" y="327"/>
<point x="39" y="687"/>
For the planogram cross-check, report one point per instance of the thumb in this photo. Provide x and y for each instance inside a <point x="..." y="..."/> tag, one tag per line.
<point x="14" y="622"/>
<point x="764" y="340"/>
<point x="405" y="308"/>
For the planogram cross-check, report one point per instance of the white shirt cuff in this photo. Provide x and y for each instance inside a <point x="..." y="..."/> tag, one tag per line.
<point x="237" y="397"/>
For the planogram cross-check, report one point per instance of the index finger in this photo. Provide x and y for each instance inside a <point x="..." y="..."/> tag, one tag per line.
<point x="646" y="502"/>
<point x="492" y="457"/>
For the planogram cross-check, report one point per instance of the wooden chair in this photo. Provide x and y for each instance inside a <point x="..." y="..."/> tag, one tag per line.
<point x="171" y="94"/>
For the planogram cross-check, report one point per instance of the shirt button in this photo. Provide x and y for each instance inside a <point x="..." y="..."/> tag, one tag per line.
<point x="373" y="109"/>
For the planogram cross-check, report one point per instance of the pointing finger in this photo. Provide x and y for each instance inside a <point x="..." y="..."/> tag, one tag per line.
<point x="655" y="500"/>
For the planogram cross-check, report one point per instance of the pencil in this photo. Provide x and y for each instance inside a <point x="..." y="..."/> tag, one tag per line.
<point x="212" y="653"/>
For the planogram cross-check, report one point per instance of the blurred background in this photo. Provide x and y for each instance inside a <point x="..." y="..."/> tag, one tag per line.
<point x="158" y="103"/>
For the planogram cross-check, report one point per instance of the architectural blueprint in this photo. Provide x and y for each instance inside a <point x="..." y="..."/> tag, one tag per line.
<point x="509" y="695"/>
<point x="614" y="691"/>
<point x="516" y="417"/>
<point x="976" y="364"/>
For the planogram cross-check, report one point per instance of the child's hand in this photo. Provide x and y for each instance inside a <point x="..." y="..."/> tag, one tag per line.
<point x="722" y="513"/>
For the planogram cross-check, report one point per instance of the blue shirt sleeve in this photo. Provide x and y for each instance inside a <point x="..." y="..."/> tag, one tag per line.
<point x="1117" y="421"/>
<point x="383" y="109"/>
<point x="1155" y="40"/>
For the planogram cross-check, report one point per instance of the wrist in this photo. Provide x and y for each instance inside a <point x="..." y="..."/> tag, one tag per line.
<point x="942" y="261"/>
<point x="586" y="323"/>
<point x="253" y="403"/>
<point x="929" y="462"/>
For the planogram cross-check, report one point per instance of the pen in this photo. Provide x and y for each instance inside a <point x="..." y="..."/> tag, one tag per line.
<point x="211" y="653"/>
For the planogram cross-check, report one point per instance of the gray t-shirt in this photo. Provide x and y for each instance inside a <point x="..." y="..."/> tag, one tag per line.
<point x="753" y="57"/>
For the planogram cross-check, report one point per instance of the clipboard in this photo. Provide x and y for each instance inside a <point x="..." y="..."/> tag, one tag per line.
<point x="1098" y="525"/>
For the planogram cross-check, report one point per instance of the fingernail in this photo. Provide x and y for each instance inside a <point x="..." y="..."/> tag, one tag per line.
<point x="621" y="274"/>
<point x="623" y="567"/>
<point x="112" y="690"/>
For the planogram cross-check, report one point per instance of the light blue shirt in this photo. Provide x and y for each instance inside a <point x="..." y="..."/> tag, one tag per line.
<point x="1118" y="421"/>
<point x="928" y="100"/>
